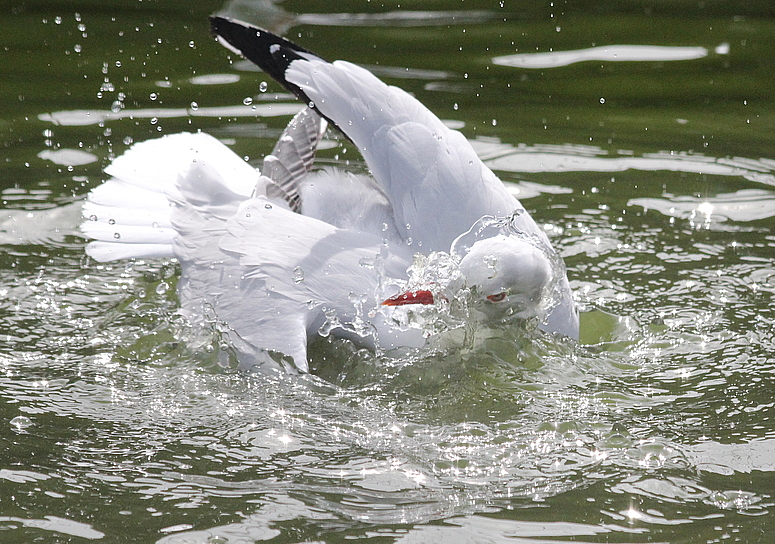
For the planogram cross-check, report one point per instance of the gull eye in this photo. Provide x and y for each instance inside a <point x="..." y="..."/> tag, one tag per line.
<point x="497" y="297"/>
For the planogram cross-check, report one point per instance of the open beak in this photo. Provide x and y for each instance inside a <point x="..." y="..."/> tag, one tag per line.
<point x="421" y="296"/>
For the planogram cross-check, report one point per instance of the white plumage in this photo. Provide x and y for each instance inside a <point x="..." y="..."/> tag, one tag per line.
<point x="283" y="255"/>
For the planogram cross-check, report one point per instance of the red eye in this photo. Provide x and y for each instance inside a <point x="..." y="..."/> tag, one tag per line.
<point x="496" y="298"/>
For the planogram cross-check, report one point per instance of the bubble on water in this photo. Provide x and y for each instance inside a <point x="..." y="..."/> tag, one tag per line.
<point x="21" y="422"/>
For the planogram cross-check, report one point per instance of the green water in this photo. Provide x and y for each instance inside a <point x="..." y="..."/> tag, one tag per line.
<point x="653" y="178"/>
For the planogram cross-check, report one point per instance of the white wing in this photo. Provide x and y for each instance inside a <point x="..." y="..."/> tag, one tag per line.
<point x="421" y="165"/>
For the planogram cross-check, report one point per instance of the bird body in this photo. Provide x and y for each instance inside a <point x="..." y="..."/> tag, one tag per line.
<point x="283" y="255"/>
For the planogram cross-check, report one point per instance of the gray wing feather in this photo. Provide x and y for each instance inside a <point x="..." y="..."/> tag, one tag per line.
<point x="293" y="156"/>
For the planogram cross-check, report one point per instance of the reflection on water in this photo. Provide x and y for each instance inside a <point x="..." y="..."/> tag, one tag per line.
<point x="268" y="14"/>
<point x="744" y="205"/>
<point x="96" y="117"/>
<point x="608" y="53"/>
<point x="585" y="158"/>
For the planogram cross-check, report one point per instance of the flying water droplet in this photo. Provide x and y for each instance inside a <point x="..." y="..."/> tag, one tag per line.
<point x="298" y="275"/>
<point x="330" y="324"/>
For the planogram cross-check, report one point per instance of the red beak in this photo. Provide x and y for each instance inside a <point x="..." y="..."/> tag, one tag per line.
<point x="421" y="296"/>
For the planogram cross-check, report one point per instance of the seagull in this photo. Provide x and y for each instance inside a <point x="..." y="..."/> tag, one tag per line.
<point x="279" y="256"/>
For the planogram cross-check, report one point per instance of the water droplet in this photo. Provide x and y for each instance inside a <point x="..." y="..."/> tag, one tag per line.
<point x="111" y="221"/>
<point x="153" y="96"/>
<point x="602" y="100"/>
<point x="21" y="422"/>
<point x="263" y="86"/>
<point x="162" y="288"/>
<point x="268" y="206"/>
<point x="92" y="217"/>
<point x="455" y="106"/>
<point x="116" y="235"/>
<point x="194" y="106"/>
<point x="116" y="106"/>
<point x="298" y="275"/>
<point x="494" y="122"/>
<point x="247" y="101"/>
<point x="191" y="44"/>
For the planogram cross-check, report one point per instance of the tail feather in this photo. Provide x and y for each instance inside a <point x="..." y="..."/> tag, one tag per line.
<point x="130" y="215"/>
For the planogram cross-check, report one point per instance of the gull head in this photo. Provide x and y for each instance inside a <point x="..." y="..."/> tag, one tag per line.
<point x="508" y="277"/>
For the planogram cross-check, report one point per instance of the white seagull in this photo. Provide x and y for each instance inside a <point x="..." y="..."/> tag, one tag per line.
<point x="286" y="254"/>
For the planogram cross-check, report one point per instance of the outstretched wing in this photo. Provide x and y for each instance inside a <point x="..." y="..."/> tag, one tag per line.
<point x="433" y="179"/>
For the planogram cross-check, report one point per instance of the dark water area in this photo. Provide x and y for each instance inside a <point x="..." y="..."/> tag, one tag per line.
<point x="650" y="167"/>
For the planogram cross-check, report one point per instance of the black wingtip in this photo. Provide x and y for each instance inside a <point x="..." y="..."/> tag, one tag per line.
<point x="269" y="52"/>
